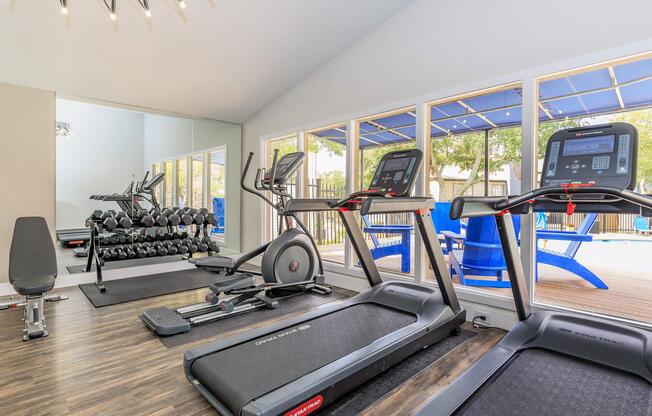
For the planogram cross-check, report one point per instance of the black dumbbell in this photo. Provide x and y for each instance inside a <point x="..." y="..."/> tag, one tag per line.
<point x="172" y="249"/>
<point x="172" y="215"/>
<point x="124" y="220"/>
<point x="123" y="239"/>
<point x="160" y="249"/>
<point x="108" y="220"/>
<point x="209" y="218"/>
<point x="140" y="251"/>
<point x="112" y="240"/>
<point x="185" y="216"/>
<point x="130" y="252"/>
<point x="110" y="254"/>
<point x="97" y="215"/>
<point x="151" y="251"/>
<point x="120" y="253"/>
<point x="149" y="238"/>
<point x="183" y="235"/>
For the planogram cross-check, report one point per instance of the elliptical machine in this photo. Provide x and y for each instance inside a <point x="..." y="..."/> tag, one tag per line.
<point x="290" y="265"/>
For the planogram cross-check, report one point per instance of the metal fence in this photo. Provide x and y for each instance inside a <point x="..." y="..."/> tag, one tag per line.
<point x="606" y="223"/>
<point x="327" y="228"/>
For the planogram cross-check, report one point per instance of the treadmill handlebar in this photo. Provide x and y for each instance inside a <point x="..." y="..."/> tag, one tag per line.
<point x="464" y="207"/>
<point x="357" y="197"/>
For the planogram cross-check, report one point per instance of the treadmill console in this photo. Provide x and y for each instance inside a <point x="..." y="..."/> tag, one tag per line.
<point x="598" y="155"/>
<point x="397" y="172"/>
<point x="285" y="167"/>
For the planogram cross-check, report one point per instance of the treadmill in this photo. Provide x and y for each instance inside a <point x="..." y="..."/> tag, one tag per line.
<point x="561" y="363"/>
<point x="301" y="364"/>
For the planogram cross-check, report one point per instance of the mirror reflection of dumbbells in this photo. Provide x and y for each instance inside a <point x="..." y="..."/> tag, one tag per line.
<point x="182" y="246"/>
<point x="187" y="216"/>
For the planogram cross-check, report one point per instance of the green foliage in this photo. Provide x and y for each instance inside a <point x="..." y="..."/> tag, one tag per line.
<point x="333" y="179"/>
<point x="642" y="120"/>
<point x="466" y="152"/>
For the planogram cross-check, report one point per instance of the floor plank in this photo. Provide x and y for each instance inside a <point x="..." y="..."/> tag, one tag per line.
<point x="105" y="362"/>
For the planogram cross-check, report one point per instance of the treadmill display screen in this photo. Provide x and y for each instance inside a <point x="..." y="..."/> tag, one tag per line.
<point x="396" y="164"/>
<point x="589" y="146"/>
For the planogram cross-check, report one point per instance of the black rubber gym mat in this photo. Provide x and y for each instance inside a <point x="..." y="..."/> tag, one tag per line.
<point x="375" y="389"/>
<point x="121" y="264"/>
<point x="285" y="306"/>
<point x="147" y="286"/>
<point x="241" y="373"/>
<point x="543" y="383"/>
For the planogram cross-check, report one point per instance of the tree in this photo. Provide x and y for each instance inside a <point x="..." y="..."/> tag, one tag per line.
<point x="466" y="152"/>
<point x="642" y="120"/>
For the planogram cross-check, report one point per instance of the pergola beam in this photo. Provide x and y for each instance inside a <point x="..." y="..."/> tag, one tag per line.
<point x="614" y="84"/>
<point x="476" y="113"/>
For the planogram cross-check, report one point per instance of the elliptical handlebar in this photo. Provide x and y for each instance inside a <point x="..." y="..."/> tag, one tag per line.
<point x="244" y="186"/>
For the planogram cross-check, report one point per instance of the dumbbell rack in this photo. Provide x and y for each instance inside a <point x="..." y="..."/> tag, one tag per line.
<point x="94" y="246"/>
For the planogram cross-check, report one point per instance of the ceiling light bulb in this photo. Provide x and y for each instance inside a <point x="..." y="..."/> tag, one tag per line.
<point x="507" y="113"/>
<point x="559" y="111"/>
<point x="148" y="13"/>
<point x="64" y="10"/>
<point x="182" y="4"/>
<point x="464" y="121"/>
<point x="112" y="16"/>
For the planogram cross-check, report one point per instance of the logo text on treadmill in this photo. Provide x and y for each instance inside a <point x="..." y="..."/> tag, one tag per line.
<point x="307" y="407"/>
<point x="282" y="334"/>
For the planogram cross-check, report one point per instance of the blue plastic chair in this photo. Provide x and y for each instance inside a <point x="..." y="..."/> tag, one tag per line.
<point x="641" y="225"/>
<point x="566" y="259"/>
<point x="392" y="247"/>
<point x="482" y="253"/>
<point x="442" y="221"/>
<point x="218" y="209"/>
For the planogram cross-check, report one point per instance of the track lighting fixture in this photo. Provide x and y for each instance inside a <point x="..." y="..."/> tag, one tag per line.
<point x="145" y="5"/>
<point x="111" y="6"/>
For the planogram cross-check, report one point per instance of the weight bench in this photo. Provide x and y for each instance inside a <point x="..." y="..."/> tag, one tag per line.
<point x="32" y="272"/>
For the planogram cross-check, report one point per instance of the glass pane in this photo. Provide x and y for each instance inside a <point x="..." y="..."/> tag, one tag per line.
<point x="326" y="178"/>
<point x="169" y="184"/>
<point x="182" y="184"/>
<point x="285" y="145"/>
<point x="387" y="234"/>
<point x="463" y="132"/>
<point x="609" y="274"/>
<point x="198" y="181"/>
<point x="217" y="184"/>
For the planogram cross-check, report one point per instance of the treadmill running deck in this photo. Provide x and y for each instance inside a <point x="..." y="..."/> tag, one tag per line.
<point x="538" y="382"/>
<point x="241" y="373"/>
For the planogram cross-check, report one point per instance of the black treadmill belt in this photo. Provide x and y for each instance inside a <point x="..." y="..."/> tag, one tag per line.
<point x="543" y="383"/>
<point x="240" y="374"/>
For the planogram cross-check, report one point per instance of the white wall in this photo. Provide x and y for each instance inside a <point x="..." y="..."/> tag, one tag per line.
<point x="27" y="117"/>
<point x="433" y="49"/>
<point x="104" y="154"/>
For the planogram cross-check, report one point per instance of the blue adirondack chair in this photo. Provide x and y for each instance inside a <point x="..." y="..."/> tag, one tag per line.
<point x="641" y="225"/>
<point x="566" y="259"/>
<point x="392" y="247"/>
<point x="442" y="221"/>
<point x="482" y="253"/>
<point x="218" y="209"/>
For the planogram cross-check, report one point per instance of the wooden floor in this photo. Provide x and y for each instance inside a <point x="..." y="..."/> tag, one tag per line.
<point x="104" y="362"/>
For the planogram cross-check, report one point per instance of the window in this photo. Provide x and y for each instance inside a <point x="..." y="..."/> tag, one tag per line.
<point x="285" y="145"/>
<point x="159" y="191"/>
<point x="326" y="178"/>
<point x="377" y="136"/>
<point x="217" y="186"/>
<point x="182" y="184"/>
<point x="197" y="163"/>
<point x="168" y="185"/>
<point x="475" y="149"/>
<point x="620" y="90"/>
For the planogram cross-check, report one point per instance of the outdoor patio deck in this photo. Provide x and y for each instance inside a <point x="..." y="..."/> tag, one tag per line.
<point x="623" y="265"/>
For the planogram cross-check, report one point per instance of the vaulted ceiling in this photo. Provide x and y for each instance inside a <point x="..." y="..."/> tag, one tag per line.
<point x="222" y="59"/>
